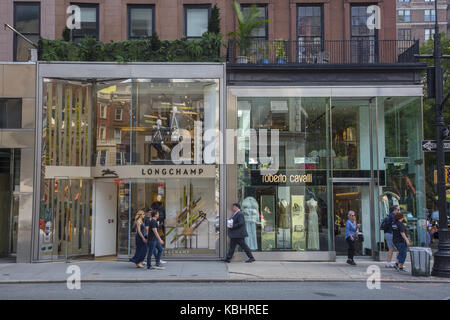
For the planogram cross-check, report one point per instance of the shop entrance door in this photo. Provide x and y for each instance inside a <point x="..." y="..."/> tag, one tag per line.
<point x="105" y="219"/>
<point x="355" y="174"/>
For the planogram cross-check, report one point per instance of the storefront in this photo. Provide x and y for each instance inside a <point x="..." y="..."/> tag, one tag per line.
<point x="340" y="148"/>
<point x="115" y="139"/>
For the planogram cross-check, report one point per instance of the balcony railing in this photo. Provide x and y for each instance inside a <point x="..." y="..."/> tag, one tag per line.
<point x="361" y="51"/>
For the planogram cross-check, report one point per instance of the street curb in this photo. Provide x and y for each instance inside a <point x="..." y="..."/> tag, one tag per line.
<point x="216" y="280"/>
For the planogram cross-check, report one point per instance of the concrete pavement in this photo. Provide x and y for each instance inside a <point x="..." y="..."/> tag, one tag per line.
<point x="207" y="271"/>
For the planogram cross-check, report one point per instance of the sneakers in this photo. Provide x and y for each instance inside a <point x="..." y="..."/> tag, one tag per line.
<point x="389" y="265"/>
<point x="402" y="270"/>
<point x="162" y="261"/>
<point x="159" y="267"/>
<point x="151" y="268"/>
<point x="396" y="267"/>
<point x="250" y="260"/>
<point x="351" y="262"/>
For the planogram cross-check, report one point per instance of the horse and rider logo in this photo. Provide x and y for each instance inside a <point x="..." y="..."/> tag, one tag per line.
<point x="109" y="172"/>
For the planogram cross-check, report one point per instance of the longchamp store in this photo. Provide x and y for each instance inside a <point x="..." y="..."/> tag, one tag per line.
<point x="106" y="134"/>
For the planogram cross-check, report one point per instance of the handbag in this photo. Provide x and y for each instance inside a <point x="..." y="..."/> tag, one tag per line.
<point x="360" y="236"/>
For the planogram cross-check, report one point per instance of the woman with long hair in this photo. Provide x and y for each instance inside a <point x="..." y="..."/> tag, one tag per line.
<point x="141" y="240"/>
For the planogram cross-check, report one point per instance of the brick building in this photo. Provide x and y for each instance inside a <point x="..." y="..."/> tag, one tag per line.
<point x="118" y="20"/>
<point x="416" y="18"/>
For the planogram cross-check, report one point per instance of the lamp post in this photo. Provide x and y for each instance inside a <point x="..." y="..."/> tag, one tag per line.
<point x="441" y="267"/>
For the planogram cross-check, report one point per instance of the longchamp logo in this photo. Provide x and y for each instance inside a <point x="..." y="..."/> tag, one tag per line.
<point x="109" y="172"/>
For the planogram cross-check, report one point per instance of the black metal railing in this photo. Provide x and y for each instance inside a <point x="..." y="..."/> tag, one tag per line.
<point x="359" y="51"/>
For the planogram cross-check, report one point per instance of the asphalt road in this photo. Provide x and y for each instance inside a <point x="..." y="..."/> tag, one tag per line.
<point x="226" y="291"/>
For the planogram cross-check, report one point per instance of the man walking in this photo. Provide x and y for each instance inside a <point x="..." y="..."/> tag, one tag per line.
<point x="237" y="233"/>
<point x="154" y="241"/>
<point x="388" y="234"/>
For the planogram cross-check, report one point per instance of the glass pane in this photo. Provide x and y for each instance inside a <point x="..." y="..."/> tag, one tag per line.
<point x="141" y="22"/>
<point x="286" y="210"/>
<point x="309" y="22"/>
<point x="27" y="19"/>
<point x="405" y="184"/>
<point x="196" y="22"/>
<point x="10" y="113"/>
<point x="88" y="24"/>
<point x="5" y="200"/>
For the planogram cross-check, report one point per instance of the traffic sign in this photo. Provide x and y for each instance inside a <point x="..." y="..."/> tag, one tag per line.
<point x="431" y="145"/>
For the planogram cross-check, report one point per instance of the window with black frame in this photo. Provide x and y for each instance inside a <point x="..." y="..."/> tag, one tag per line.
<point x="260" y="49"/>
<point x="89" y="22"/>
<point x="196" y="19"/>
<point x="28" y="22"/>
<point x="141" y="21"/>
<point x="363" y="44"/>
<point x="309" y="33"/>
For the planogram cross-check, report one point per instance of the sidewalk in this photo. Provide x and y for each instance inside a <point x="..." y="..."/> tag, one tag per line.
<point x="206" y="271"/>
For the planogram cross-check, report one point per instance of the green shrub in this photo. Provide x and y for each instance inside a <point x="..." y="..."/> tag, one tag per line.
<point x="206" y="49"/>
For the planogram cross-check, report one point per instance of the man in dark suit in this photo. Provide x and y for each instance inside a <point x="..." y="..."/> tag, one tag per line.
<point x="237" y="233"/>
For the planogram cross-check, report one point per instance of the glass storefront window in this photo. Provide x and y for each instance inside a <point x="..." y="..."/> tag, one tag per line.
<point x="147" y="128"/>
<point x="287" y="210"/>
<point x="403" y="163"/>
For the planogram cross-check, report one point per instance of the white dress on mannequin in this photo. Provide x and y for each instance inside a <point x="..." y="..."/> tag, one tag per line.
<point x="250" y="209"/>
<point x="313" y="225"/>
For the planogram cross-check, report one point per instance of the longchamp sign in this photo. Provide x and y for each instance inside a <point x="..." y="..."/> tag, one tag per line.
<point x="162" y="171"/>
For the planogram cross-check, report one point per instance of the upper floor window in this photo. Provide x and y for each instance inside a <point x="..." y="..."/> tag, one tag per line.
<point x="10" y="113"/>
<point x="429" y="33"/>
<point x="89" y="22"/>
<point x="429" y="15"/>
<point x="27" y="20"/>
<point x="261" y="31"/>
<point x="141" y="21"/>
<point x="196" y="19"/>
<point x="403" y="0"/>
<point x="102" y="111"/>
<point x="118" y="115"/>
<point x="403" y="16"/>
<point x="429" y="0"/>
<point x="309" y="23"/>
<point x="404" y="34"/>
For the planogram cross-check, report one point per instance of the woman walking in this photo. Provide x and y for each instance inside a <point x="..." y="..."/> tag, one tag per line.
<point x="141" y="240"/>
<point x="350" y="236"/>
<point x="400" y="240"/>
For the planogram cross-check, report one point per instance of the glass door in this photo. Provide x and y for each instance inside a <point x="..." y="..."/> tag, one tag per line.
<point x="354" y="175"/>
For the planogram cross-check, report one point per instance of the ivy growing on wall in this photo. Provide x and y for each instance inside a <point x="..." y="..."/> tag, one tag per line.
<point x="205" y="49"/>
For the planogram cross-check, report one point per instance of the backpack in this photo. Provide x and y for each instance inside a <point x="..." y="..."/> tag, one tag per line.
<point x="384" y="224"/>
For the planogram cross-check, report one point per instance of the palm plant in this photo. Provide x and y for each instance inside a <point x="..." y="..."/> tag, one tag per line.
<point x="248" y="21"/>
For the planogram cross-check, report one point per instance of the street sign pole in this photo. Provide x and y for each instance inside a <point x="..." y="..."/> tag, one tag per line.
<point x="441" y="267"/>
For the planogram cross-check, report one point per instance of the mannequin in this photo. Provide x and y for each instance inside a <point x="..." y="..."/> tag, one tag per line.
<point x="174" y="129"/>
<point x="298" y="223"/>
<point x="158" y="141"/>
<point x="250" y="209"/>
<point x="313" y="224"/>
<point x="284" y="225"/>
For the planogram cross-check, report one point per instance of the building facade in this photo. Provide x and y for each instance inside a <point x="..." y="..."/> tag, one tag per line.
<point x="416" y="19"/>
<point x="119" y="20"/>
<point x="326" y="120"/>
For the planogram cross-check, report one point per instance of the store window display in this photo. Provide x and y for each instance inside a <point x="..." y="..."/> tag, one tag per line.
<point x="293" y="211"/>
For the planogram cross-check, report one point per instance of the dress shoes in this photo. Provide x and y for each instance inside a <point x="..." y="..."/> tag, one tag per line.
<point x="250" y="260"/>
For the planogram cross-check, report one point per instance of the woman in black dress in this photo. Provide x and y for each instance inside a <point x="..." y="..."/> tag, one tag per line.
<point x="141" y="240"/>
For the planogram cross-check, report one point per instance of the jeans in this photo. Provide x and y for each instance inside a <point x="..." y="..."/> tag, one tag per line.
<point x="152" y="245"/>
<point x="401" y="247"/>
<point x="351" y="248"/>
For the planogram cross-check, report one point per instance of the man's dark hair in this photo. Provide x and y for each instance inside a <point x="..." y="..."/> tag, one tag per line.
<point x="237" y="205"/>
<point x="398" y="216"/>
<point x="154" y="212"/>
<point x="392" y="208"/>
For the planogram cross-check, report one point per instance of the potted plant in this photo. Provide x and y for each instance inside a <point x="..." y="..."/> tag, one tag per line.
<point x="248" y="21"/>
<point x="266" y="53"/>
<point x="280" y="51"/>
